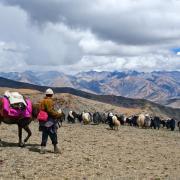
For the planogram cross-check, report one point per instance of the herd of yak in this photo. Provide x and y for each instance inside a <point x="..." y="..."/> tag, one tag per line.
<point x="115" y="120"/>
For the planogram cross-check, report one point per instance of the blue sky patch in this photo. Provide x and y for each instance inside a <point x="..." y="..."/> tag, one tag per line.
<point x="176" y="50"/>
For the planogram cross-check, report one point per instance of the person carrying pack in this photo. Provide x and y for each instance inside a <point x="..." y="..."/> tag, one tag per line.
<point x="49" y="126"/>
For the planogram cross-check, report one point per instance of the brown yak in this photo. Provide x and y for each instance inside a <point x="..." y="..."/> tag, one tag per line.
<point x="22" y="123"/>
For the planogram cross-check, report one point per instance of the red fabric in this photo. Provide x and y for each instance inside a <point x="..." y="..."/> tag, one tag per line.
<point x="42" y="116"/>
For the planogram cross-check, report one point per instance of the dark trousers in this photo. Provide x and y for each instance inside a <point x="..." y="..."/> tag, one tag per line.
<point x="47" y="132"/>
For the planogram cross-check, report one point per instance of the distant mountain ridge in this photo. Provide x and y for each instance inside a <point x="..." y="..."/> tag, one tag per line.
<point x="158" y="86"/>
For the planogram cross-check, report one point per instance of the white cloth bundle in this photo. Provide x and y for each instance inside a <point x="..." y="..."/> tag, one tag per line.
<point x="15" y="97"/>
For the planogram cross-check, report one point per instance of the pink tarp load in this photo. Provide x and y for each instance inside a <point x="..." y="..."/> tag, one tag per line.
<point x="16" y="113"/>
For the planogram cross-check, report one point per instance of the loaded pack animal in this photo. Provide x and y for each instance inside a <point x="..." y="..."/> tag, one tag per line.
<point x="19" y="114"/>
<point x="113" y="121"/>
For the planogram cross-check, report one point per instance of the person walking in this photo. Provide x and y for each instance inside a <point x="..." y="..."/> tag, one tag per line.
<point x="49" y="127"/>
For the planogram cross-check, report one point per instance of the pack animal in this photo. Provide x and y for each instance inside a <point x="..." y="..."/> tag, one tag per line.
<point x="22" y="118"/>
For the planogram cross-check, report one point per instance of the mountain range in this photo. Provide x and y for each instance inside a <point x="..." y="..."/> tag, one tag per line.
<point x="118" y="101"/>
<point x="159" y="86"/>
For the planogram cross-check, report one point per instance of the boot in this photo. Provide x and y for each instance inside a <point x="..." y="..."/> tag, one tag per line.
<point x="57" y="150"/>
<point x="42" y="150"/>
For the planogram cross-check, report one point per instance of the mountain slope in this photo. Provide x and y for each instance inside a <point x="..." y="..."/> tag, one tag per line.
<point x="145" y="105"/>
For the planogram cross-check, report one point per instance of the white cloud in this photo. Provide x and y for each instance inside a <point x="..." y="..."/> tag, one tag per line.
<point x="12" y="57"/>
<point x="93" y="35"/>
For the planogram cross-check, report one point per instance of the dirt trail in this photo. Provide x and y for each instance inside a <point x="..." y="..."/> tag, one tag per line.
<point x="92" y="152"/>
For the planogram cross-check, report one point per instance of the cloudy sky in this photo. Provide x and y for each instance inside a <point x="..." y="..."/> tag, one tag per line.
<point x="82" y="35"/>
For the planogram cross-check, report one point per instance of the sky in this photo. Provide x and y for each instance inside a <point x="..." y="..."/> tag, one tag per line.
<point x="81" y="35"/>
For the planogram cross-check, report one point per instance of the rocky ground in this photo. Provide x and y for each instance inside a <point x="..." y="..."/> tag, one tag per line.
<point x="92" y="152"/>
